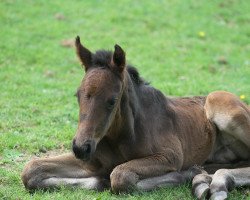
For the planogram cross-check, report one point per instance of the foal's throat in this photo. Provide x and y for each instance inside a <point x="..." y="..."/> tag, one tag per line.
<point x="122" y="126"/>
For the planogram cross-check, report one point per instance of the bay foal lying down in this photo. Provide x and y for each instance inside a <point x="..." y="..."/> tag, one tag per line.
<point x="131" y="137"/>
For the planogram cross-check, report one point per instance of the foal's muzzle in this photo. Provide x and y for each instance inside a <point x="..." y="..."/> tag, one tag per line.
<point x="85" y="151"/>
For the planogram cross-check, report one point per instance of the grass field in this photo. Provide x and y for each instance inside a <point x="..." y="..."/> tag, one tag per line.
<point x="183" y="48"/>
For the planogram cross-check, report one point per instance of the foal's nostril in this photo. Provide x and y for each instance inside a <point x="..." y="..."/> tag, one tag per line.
<point x="76" y="150"/>
<point x="87" y="148"/>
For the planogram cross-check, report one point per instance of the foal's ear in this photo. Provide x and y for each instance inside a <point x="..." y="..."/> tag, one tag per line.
<point x="83" y="54"/>
<point x="119" y="58"/>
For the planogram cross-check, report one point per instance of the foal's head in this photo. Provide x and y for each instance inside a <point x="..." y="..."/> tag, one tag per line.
<point x="98" y="96"/>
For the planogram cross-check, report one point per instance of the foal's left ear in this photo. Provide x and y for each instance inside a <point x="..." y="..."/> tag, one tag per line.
<point x="119" y="58"/>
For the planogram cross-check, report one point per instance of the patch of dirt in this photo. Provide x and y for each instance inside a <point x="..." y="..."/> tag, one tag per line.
<point x="59" y="16"/>
<point x="25" y="157"/>
<point x="68" y="43"/>
<point x="222" y="60"/>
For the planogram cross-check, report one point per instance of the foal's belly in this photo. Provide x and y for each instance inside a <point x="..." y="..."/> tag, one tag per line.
<point x="228" y="149"/>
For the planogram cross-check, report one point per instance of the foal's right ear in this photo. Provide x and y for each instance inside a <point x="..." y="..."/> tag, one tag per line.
<point x="83" y="54"/>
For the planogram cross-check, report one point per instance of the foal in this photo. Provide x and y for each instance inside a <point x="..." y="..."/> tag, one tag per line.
<point x="131" y="137"/>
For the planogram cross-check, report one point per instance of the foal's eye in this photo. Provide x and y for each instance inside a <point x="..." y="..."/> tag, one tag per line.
<point x="87" y="96"/>
<point x="111" y="102"/>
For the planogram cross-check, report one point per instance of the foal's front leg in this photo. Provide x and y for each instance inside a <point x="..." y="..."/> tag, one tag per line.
<point x="45" y="173"/>
<point x="148" y="173"/>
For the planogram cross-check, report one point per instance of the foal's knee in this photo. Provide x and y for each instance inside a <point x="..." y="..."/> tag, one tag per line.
<point x="27" y="172"/>
<point x="123" y="180"/>
<point x="33" y="174"/>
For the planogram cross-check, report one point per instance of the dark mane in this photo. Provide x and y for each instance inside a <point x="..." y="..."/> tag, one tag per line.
<point x="102" y="58"/>
<point x="135" y="76"/>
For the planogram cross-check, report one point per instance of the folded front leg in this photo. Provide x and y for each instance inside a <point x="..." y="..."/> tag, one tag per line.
<point x="49" y="173"/>
<point x="126" y="177"/>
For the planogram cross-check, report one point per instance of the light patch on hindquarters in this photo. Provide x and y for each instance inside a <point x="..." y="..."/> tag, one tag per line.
<point x="226" y="123"/>
<point x="222" y="121"/>
<point x="87" y="183"/>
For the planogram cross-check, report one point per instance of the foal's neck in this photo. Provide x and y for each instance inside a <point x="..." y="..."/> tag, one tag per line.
<point x="123" y="124"/>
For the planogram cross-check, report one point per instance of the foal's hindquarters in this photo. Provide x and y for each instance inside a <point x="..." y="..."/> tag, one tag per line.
<point x="231" y="117"/>
<point x="232" y="147"/>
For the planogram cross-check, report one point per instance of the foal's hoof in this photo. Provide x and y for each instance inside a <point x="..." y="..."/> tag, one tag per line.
<point x="219" y="195"/>
<point x="201" y="186"/>
<point x="103" y="185"/>
<point x="201" y="191"/>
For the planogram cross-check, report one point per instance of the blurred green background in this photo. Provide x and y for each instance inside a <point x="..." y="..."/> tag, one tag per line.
<point x="183" y="48"/>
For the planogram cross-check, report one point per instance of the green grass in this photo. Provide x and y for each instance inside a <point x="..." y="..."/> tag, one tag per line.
<point x="38" y="76"/>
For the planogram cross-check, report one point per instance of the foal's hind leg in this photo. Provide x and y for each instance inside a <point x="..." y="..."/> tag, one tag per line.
<point x="45" y="173"/>
<point x="217" y="185"/>
<point x="226" y="179"/>
<point x="232" y="117"/>
<point x="202" y="182"/>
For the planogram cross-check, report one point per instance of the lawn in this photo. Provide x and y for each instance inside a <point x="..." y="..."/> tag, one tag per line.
<point x="183" y="48"/>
